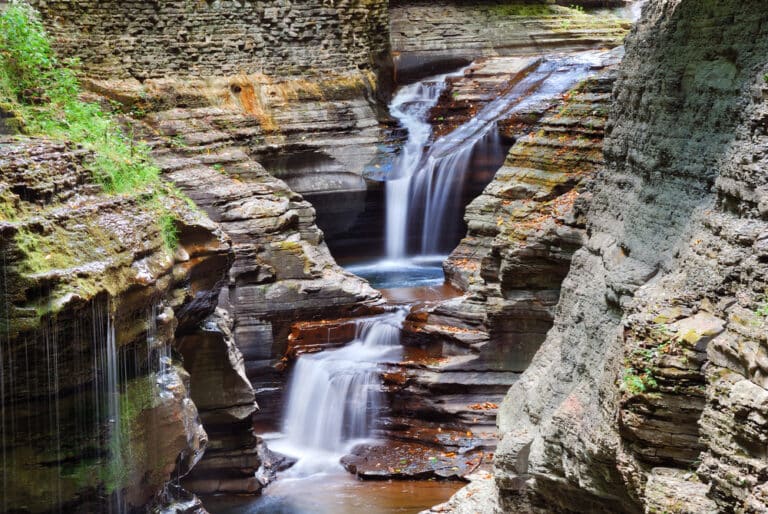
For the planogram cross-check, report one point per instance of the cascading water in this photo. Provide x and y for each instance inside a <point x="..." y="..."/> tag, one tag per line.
<point x="428" y="179"/>
<point x="410" y="107"/>
<point x="335" y="396"/>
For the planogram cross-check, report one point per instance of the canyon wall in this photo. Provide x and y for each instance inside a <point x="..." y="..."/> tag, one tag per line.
<point x="190" y="38"/>
<point x="428" y="37"/>
<point x="648" y="393"/>
<point x="96" y="412"/>
<point x="312" y="73"/>
<point x="212" y="86"/>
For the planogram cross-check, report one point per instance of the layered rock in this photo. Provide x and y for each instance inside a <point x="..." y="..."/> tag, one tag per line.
<point x="95" y="407"/>
<point x="226" y="402"/>
<point x="647" y="393"/>
<point x="283" y="271"/>
<point x="428" y="37"/>
<point x="201" y="97"/>
<point x="309" y="73"/>
<point x="146" y="40"/>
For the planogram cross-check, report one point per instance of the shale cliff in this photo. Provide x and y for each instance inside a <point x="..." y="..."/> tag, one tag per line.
<point x="648" y="394"/>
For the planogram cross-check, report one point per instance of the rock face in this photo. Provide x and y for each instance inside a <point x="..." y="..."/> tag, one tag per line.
<point x="201" y="97"/>
<point x="283" y="271"/>
<point x="428" y="37"/>
<point x="309" y="73"/>
<point x="226" y="402"/>
<point x="180" y="38"/>
<point x="95" y="406"/>
<point x="648" y="393"/>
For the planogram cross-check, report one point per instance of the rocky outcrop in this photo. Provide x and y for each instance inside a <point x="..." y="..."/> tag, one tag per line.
<point x="226" y="402"/>
<point x="95" y="405"/>
<point x="283" y="271"/>
<point x="647" y="393"/>
<point x="203" y="99"/>
<point x="428" y="37"/>
<point x="310" y="74"/>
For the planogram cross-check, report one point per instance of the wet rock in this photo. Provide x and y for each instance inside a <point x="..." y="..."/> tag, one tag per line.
<point x="226" y="402"/>
<point x="96" y="409"/>
<point x="465" y="352"/>
<point x="641" y="398"/>
<point x="283" y="271"/>
<point x="404" y="460"/>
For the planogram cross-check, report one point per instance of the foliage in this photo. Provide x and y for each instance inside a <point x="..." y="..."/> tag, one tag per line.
<point x="44" y="93"/>
<point x="636" y="382"/>
<point x="762" y="308"/>
<point x="169" y="230"/>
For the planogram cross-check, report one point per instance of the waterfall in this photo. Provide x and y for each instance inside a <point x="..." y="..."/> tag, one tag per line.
<point x="411" y="108"/>
<point x="432" y="177"/>
<point x="335" y="396"/>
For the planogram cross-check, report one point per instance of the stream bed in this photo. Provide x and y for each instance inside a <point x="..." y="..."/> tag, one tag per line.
<point x="338" y="493"/>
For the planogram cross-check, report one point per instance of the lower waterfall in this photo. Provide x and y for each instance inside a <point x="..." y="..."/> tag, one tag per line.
<point x="334" y="397"/>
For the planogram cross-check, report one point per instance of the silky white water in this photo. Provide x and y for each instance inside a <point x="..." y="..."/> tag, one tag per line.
<point x="410" y="106"/>
<point x="335" y="397"/>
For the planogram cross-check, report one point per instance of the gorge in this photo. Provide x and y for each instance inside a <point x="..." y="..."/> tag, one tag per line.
<point x="330" y="256"/>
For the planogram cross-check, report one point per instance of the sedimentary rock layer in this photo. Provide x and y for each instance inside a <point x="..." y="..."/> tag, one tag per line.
<point x="465" y="352"/>
<point x="187" y="38"/>
<point x="95" y="406"/>
<point x="648" y="392"/>
<point x="431" y="36"/>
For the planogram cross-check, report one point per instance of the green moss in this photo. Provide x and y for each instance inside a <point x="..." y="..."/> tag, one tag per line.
<point x="9" y="206"/>
<point x="44" y="93"/>
<point x="524" y="10"/>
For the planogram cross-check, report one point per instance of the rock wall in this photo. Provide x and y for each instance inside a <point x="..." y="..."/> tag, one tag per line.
<point x="316" y="131"/>
<point x="428" y="37"/>
<point x="311" y="72"/>
<point x="647" y="393"/>
<point x="96" y="410"/>
<point x="283" y="271"/>
<point x="190" y="38"/>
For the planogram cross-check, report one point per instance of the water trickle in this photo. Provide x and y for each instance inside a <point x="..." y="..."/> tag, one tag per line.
<point x="107" y="388"/>
<point x="335" y="396"/>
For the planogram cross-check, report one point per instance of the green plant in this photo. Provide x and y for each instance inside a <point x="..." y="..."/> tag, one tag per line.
<point x="44" y="94"/>
<point x="762" y="308"/>
<point x="169" y="230"/>
<point x="636" y="382"/>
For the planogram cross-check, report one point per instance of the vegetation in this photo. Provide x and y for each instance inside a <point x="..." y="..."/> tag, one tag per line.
<point x="637" y="382"/>
<point x="44" y="94"/>
<point x="169" y="230"/>
<point x="762" y="308"/>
